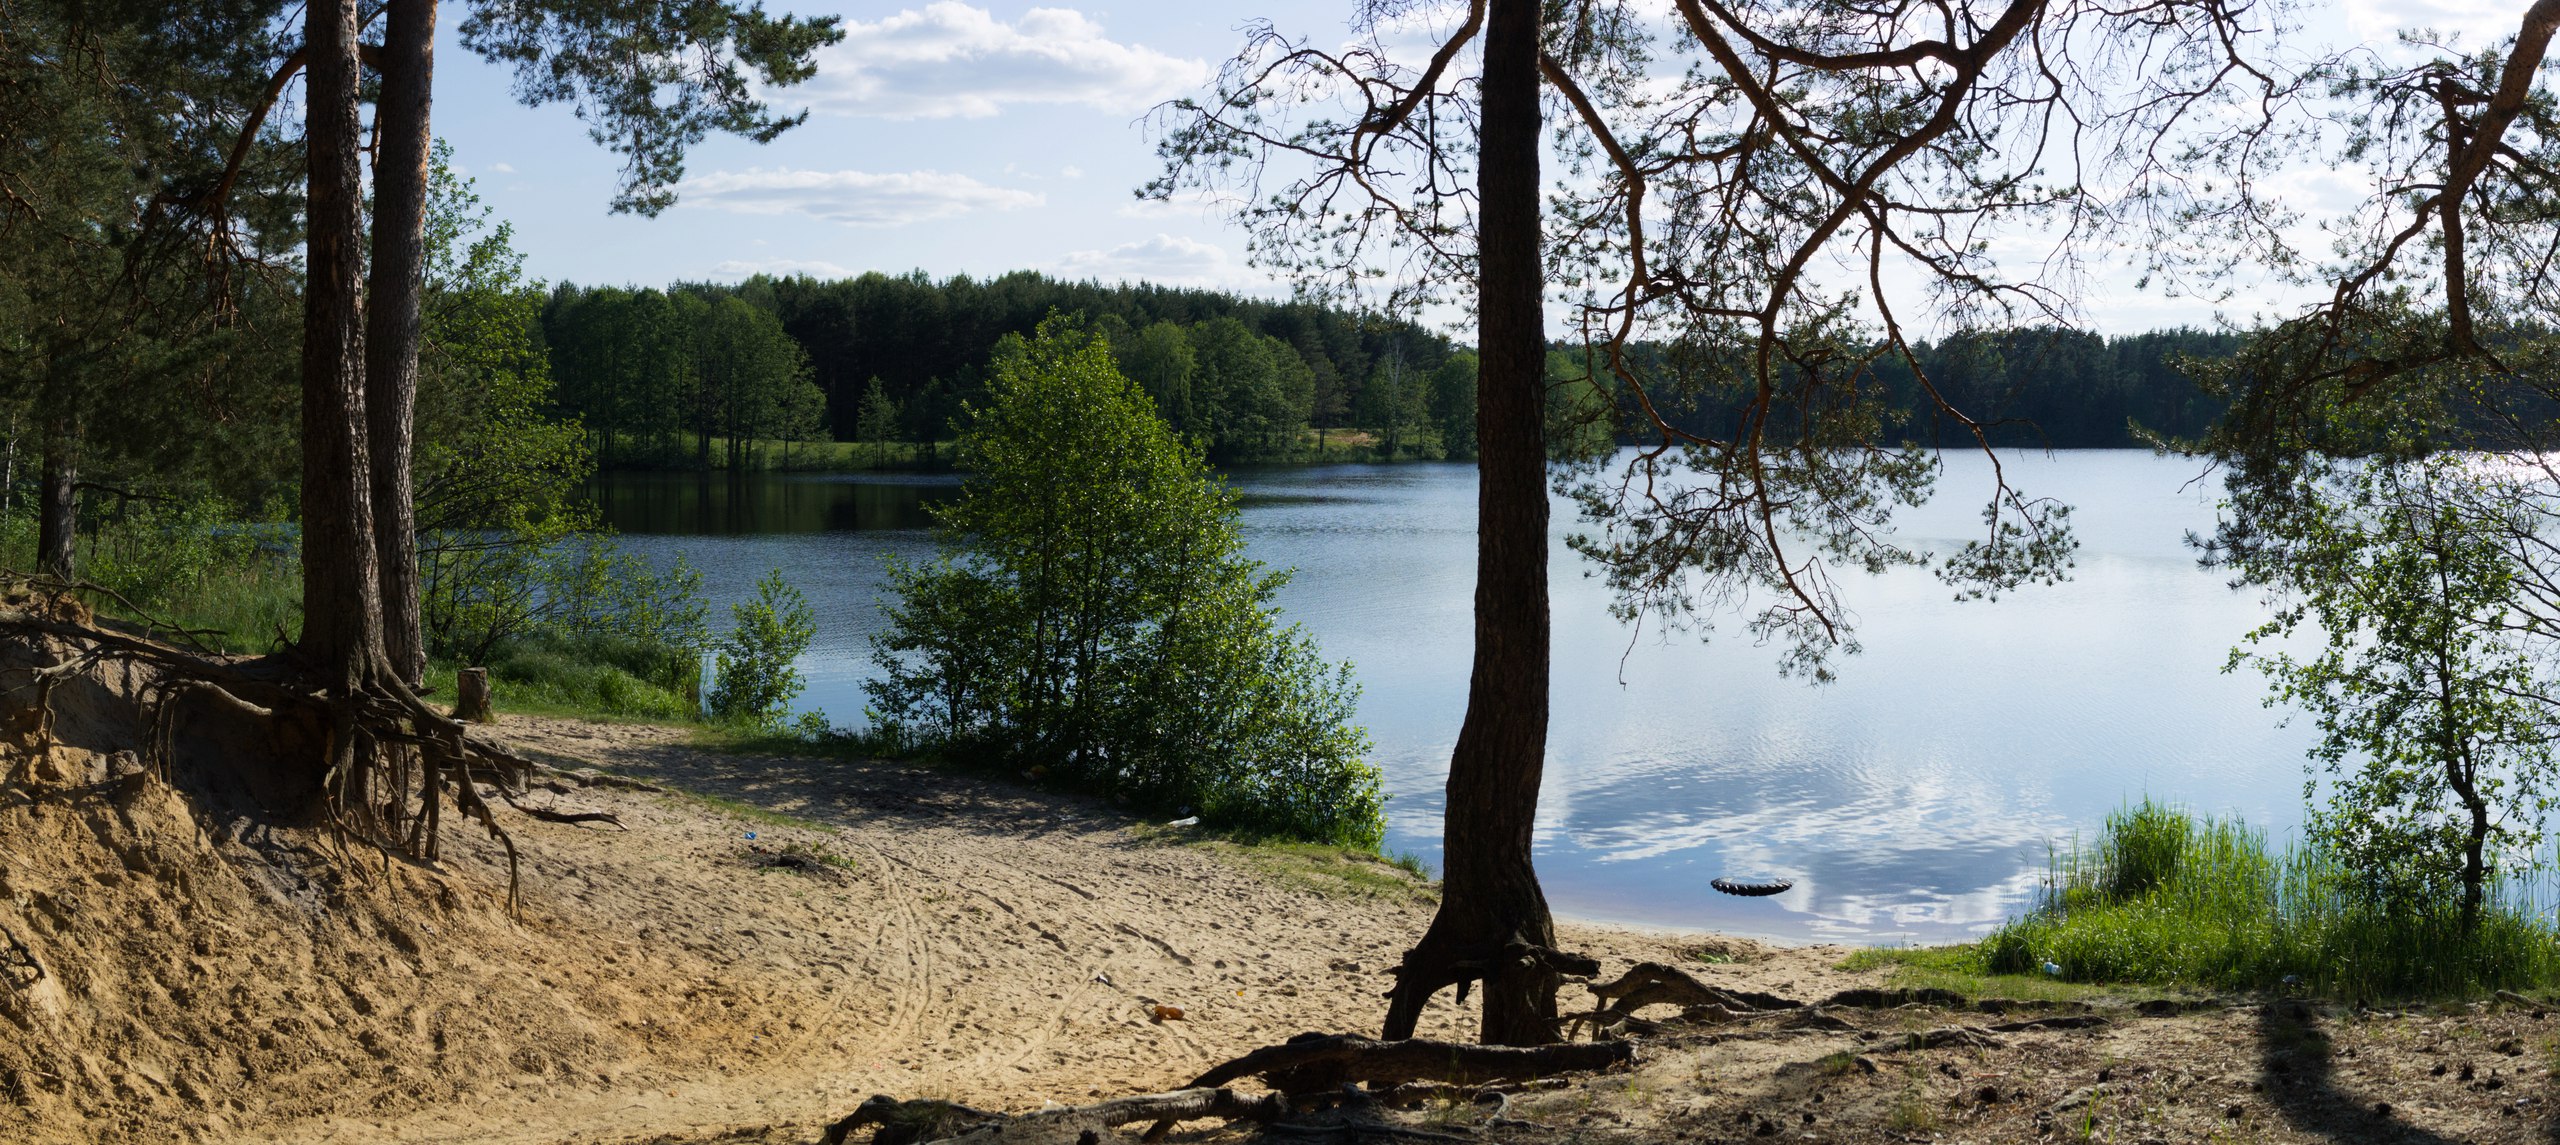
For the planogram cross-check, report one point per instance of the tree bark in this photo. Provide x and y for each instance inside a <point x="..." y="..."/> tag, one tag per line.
<point x="341" y="587"/>
<point x="1493" y="922"/>
<point x="392" y="324"/>
<point x="58" y="501"/>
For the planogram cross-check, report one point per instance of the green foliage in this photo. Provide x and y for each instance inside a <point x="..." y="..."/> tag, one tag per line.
<point x="755" y="682"/>
<point x="1581" y="418"/>
<point x="2429" y="680"/>
<point x="2163" y="897"/>
<point x="515" y="574"/>
<point x="1247" y="375"/>
<point x="593" y="675"/>
<point x="190" y="561"/>
<point x="1253" y="392"/>
<point x="1093" y="613"/>
<point x="651" y="80"/>
<point x="160" y="552"/>
<point x="879" y="421"/>
<point x="1160" y="359"/>
<point x="646" y="370"/>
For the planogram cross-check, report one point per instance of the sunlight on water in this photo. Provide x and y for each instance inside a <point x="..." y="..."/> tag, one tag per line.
<point x="1911" y="800"/>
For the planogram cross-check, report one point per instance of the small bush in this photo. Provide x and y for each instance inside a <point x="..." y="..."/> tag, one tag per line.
<point x="593" y="675"/>
<point x="1093" y="614"/>
<point x="755" y="683"/>
<point x="158" y="553"/>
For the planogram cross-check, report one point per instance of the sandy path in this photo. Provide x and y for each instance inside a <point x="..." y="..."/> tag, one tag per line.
<point x="990" y="945"/>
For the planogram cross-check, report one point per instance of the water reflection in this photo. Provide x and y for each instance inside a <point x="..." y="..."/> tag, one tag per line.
<point x="1912" y="800"/>
<point x="709" y="504"/>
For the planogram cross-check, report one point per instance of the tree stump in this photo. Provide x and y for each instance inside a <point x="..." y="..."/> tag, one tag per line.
<point x="471" y="696"/>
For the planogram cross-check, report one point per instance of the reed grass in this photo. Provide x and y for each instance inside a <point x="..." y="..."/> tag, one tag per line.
<point x="2166" y="897"/>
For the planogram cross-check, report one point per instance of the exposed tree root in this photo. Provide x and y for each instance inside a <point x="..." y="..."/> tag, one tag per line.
<point x="1309" y="1074"/>
<point x="379" y="762"/>
<point x="1945" y="1036"/>
<point x="1536" y="970"/>
<point x="1653" y="983"/>
<point x="912" y="1122"/>
<point x="1314" y="1063"/>
<point x="1321" y="1063"/>
<point x="898" y="1122"/>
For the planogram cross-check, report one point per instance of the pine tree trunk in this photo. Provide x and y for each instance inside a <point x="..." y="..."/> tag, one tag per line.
<point x="58" y="501"/>
<point x="341" y="588"/>
<point x="1490" y="899"/>
<point x="392" y="324"/>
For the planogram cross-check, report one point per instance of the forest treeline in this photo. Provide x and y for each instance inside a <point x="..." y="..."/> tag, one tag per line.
<point x="699" y="374"/>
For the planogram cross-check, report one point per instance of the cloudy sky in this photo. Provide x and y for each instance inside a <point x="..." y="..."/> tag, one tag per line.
<point x="968" y="136"/>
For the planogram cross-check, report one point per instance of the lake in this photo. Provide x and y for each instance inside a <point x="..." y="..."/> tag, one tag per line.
<point x="1911" y="800"/>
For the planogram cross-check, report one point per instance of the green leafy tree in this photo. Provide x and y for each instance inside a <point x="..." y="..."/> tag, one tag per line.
<point x="928" y="417"/>
<point x="878" y="423"/>
<point x="1453" y="405"/>
<point x="756" y="681"/>
<point x="1253" y="391"/>
<point x="2431" y="675"/>
<point x="1160" y="359"/>
<point x="2427" y="331"/>
<point x="1093" y="613"/>
<point x="1392" y="405"/>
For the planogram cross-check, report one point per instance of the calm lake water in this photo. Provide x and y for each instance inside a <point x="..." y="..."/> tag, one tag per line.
<point x="1912" y="800"/>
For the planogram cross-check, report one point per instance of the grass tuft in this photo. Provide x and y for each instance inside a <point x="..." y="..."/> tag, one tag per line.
<point x="2164" y="897"/>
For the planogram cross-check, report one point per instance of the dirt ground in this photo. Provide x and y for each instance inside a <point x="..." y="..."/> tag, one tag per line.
<point x="767" y="941"/>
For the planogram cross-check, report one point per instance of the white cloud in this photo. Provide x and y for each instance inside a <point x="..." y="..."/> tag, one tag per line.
<point x="503" y="168"/>
<point x="1168" y="259"/>
<point x="1184" y="204"/>
<point x="952" y="60"/>
<point x="854" y="198"/>
<point x="780" y="268"/>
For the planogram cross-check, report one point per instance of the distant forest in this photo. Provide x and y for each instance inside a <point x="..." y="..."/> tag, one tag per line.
<point x="701" y="374"/>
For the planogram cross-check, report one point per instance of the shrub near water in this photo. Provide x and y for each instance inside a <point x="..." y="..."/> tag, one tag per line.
<point x="756" y="683"/>
<point x="1093" y="614"/>
<point x="2165" y="897"/>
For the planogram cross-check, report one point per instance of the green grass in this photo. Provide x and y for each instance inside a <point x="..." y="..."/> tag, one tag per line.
<point x="1961" y="970"/>
<point x="247" y="610"/>
<point x="1318" y="868"/>
<point x="592" y="678"/>
<point x="2169" y="899"/>
<point x="229" y="593"/>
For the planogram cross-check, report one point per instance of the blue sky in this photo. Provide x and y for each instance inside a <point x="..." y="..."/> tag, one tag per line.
<point x="980" y="136"/>
<point x="947" y="136"/>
